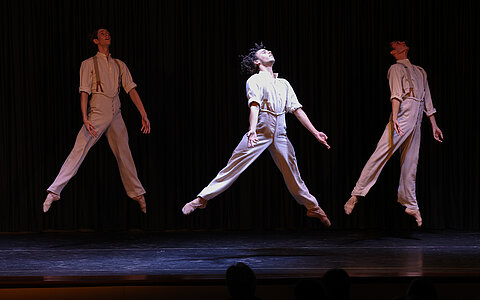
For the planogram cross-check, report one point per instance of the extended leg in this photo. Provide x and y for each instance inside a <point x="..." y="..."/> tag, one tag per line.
<point x="376" y="162"/>
<point x="83" y="144"/>
<point x="242" y="157"/>
<point x="388" y="144"/>
<point x="118" y="140"/>
<point x="406" y="188"/>
<point x="284" y="157"/>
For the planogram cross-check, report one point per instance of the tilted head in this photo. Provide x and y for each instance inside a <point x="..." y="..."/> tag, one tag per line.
<point x="101" y="38"/>
<point x="255" y="57"/>
<point x="399" y="49"/>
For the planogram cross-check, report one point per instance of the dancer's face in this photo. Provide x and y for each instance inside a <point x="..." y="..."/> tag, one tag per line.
<point x="398" y="47"/>
<point x="103" y="38"/>
<point x="265" y="57"/>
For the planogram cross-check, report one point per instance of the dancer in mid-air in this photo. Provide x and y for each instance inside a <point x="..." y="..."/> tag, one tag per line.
<point x="410" y="97"/>
<point x="269" y="99"/>
<point x="102" y="77"/>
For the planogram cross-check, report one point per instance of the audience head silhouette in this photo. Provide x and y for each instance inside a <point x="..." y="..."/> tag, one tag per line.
<point x="241" y="281"/>
<point x="337" y="284"/>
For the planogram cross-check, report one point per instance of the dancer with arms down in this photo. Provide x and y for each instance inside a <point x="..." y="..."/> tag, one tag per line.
<point x="102" y="77"/>
<point x="410" y="98"/>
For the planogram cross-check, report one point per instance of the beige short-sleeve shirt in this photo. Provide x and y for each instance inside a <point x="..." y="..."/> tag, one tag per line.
<point x="271" y="93"/>
<point x="109" y="74"/>
<point x="400" y="85"/>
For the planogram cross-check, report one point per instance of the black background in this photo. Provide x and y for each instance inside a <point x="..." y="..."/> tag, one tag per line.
<point x="184" y="57"/>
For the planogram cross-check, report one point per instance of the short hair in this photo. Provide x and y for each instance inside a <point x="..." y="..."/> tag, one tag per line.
<point x="388" y="44"/>
<point x="247" y="64"/>
<point x="94" y="35"/>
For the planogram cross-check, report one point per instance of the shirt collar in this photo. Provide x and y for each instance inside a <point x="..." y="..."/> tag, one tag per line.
<point x="405" y="61"/>
<point x="275" y="75"/>
<point x="100" y="54"/>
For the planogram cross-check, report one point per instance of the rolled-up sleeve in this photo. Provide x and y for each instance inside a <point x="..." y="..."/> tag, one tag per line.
<point x="429" y="109"/>
<point x="254" y="91"/>
<point x="395" y="81"/>
<point x="292" y="101"/>
<point x="127" y="81"/>
<point x="86" y="77"/>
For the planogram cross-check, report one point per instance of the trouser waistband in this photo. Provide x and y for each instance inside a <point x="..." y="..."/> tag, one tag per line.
<point x="272" y="113"/>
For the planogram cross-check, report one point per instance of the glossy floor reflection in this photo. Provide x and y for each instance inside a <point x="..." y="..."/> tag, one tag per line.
<point x="270" y="254"/>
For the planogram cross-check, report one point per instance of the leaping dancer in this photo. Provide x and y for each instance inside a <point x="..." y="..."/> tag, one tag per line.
<point x="410" y="97"/>
<point x="102" y="76"/>
<point x="269" y="99"/>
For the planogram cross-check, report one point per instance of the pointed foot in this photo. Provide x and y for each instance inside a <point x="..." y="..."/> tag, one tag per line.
<point x="318" y="213"/>
<point x="416" y="214"/>
<point x="51" y="197"/>
<point x="194" y="204"/>
<point x="350" y="205"/>
<point x="141" y="202"/>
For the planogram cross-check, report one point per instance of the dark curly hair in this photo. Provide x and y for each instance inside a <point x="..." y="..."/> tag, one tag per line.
<point x="247" y="65"/>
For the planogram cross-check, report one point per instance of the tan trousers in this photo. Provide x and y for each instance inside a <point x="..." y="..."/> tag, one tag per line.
<point x="106" y="117"/>
<point x="272" y="135"/>
<point x="410" y="119"/>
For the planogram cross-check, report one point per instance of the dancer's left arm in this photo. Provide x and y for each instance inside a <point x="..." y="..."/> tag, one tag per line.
<point x="430" y="110"/>
<point x="303" y="118"/>
<point x="138" y="103"/>
<point x="437" y="133"/>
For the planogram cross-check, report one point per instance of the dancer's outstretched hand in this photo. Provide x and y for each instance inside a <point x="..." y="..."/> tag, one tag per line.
<point x="252" y="138"/>
<point x="322" y="138"/>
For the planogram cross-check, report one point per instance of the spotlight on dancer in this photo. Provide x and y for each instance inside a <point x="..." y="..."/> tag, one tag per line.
<point x="410" y="98"/>
<point x="270" y="98"/>
<point x="102" y="76"/>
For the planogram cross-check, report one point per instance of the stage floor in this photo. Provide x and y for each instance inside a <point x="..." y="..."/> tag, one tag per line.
<point x="270" y="254"/>
<point x="182" y="265"/>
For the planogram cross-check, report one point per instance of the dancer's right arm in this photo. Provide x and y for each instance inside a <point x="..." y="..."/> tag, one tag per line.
<point x="394" y="76"/>
<point x="83" y="105"/>
<point x="395" y="109"/>
<point x="253" y="119"/>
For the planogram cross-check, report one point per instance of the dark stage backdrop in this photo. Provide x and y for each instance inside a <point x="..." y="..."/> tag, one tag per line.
<point x="184" y="57"/>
